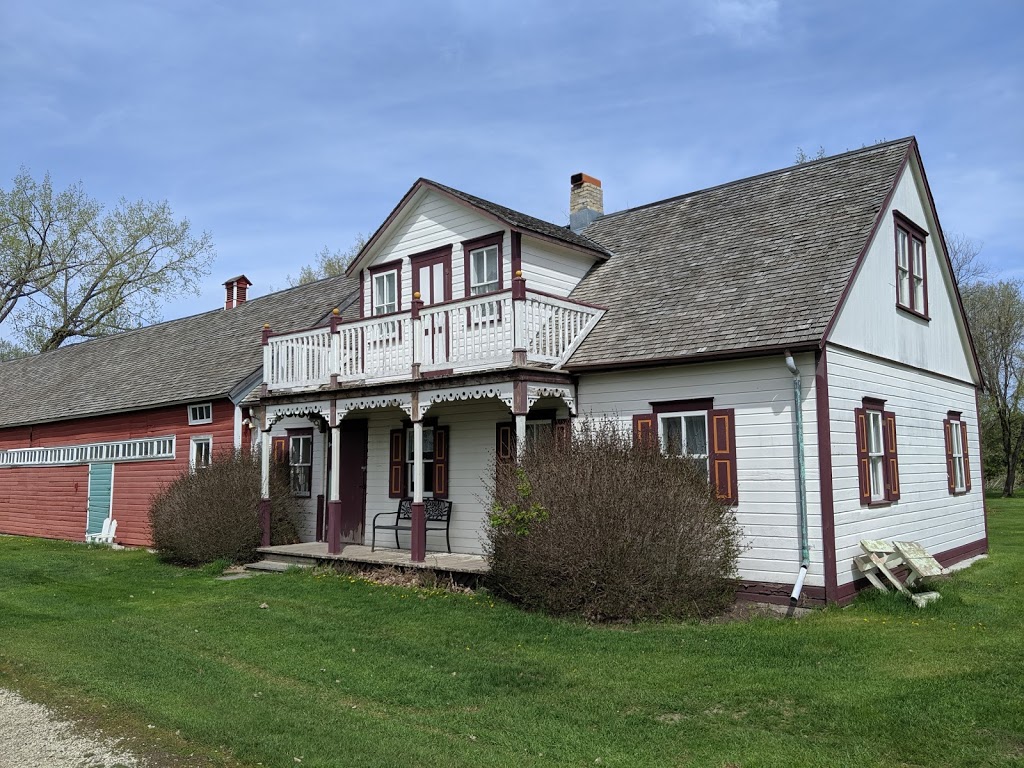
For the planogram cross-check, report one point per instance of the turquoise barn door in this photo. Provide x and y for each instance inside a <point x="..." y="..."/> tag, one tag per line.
<point x="101" y="491"/>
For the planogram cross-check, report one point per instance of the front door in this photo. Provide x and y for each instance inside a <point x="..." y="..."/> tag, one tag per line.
<point x="432" y="278"/>
<point x="101" y="495"/>
<point x="352" y="474"/>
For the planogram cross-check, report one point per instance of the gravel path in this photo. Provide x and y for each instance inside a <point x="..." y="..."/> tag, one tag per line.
<point x="33" y="737"/>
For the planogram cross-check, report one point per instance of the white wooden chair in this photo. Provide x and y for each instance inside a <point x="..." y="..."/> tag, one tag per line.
<point x="881" y="558"/>
<point x="106" y="535"/>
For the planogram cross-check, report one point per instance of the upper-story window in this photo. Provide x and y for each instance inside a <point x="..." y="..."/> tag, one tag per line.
<point x="200" y="413"/>
<point x="483" y="264"/>
<point x="911" y="267"/>
<point x="385" y="292"/>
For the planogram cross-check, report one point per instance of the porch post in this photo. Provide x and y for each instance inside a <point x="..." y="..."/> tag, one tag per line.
<point x="265" y="449"/>
<point x="520" y="435"/>
<point x="520" y="407"/>
<point x="519" y="319"/>
<point x="419" y="521"/>
<point x="334" y="499"/>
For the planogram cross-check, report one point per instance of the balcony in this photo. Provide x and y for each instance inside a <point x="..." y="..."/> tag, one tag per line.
<point x="482" y="333"/>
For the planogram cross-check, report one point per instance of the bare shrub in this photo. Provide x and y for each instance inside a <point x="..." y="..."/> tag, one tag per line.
<point x="213" y="513"/>
<point x="598" y="528"/>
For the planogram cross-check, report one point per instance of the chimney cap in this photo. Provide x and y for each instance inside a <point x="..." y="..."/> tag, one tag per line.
<point x="583" y="178"/>
<point x="237" y="280"/>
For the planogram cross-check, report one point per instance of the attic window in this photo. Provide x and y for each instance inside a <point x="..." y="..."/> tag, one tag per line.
<point x="385" y="288"/>
<point x="200" y="413"/>
<point x="483" y="264"/>
<point x="911" y="267"/>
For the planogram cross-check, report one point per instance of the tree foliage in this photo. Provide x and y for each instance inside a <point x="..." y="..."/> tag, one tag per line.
<point x="69" y="269"/>
<point x="996" y="314"/>
<point x="329" y="263"/>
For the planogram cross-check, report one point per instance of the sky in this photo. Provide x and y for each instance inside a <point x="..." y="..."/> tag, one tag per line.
<point x="284" y="127"/>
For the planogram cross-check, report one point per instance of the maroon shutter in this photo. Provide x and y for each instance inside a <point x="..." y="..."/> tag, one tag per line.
<point x="947" y="431"/>
<point x="645" y="430"/>
<point x="563" y="433"/>
<point x="396" y="464"/>
<point x="860" y="417"/>
<point x="505" y="441"/>
<point x="279" y="451"/>
<point x="891" y="458"/>
<point x="722" y="454"/>
<point x="967" y="463"/>
<point x="440" y="462"/>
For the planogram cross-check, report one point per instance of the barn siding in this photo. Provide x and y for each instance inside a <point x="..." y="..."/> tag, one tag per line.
<point x="760" y="391"/>
<point x="926" y="512"/>
<point x="44" y="501"/>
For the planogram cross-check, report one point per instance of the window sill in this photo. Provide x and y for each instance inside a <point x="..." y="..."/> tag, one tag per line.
<point x="914" y="313"/>
<point x="878" y="504"/>
<point x="964" y="492"/>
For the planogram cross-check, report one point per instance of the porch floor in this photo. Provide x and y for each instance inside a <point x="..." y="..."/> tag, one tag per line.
<point x="316" y="551"/>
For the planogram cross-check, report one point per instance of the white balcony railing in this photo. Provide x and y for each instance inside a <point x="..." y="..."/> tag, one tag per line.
<point x="479" y="333"/>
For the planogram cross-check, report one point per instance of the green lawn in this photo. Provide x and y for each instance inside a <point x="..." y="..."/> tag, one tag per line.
<point x="339" y="672"/>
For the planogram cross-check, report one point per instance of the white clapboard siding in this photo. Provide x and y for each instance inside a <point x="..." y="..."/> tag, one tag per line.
<point x="551" y="269"/>
<point x="869" y="319"/>
<point x="432" y="222"/>
<point x="760" y="390"/>
<point x="307" y="517"/>
<point x="926" y="512"/>
<point x="471" y="434"/>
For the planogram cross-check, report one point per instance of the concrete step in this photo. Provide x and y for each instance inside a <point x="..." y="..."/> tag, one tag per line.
<point x="274" y="566"/>
<point x="283" y="557"/>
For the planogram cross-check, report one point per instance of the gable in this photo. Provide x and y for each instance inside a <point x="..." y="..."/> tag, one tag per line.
<point x="868" y="319"/>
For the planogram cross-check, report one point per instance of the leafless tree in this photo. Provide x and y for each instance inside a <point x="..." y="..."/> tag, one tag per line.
<point x="968" y="268"/>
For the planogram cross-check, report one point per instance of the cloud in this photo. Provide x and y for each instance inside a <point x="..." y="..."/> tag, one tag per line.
<point x="744" y="22"/>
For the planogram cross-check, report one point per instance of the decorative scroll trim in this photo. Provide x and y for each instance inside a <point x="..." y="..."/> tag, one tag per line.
<point x="536" y="392"/>
<point x="503" y="392"/>
<point x="403" y="401"/>
<point x="278" y="412"/>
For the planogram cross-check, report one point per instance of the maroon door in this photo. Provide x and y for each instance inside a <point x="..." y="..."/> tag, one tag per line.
<point x="353" y="480"/>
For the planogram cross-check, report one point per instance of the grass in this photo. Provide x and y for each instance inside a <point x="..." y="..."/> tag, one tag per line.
<point x="340" y="672"/>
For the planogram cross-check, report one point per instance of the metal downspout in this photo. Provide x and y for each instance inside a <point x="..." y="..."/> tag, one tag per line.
<point x="805" y="555"/>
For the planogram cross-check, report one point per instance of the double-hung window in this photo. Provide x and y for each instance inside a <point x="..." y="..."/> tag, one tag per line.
<point x="685" y="434"/>
<point x="200" y="452"/>
<point x="484" y="274"/>
<point x="877" y="461"/>
<point x="428" y="461"/>
<point x="911" y="267"/>
<point x="958" y="465"/>
<point x="385" y="292"/>
<point x="300" y="462"/>
<point x="483" y="266"/>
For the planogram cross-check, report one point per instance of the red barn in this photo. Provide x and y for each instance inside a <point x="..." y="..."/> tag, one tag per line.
<point x="93" y="430"/>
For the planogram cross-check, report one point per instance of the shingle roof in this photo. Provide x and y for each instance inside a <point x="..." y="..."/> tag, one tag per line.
<point x="199" y="357"/>
<point x="760" y="262"/>
<point x="523" y="221"/>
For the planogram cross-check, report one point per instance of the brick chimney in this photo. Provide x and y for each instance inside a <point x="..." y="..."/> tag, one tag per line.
<point x="586" y="200"/>
<point x="235" y="291"/>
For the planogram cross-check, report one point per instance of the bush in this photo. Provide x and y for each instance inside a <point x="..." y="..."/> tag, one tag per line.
<point x="213" y="513"/>
<point x="598" y="528"/>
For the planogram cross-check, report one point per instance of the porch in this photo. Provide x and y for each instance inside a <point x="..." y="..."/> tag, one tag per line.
<point x="315" y="553"/>
<point x="515" y="327"/>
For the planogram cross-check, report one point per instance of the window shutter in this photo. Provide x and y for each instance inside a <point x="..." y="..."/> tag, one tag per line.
<point x="722" y="454"/>
<point x="505" y="441"/>
<point x="967" y="463"/>
<point x="860" y="418"/>
<point x="947" y="431"/>
<point x="440" y="462"/>
<point x="279" y="450"/>
<point x="396" y="467"/>
<point x="645" y="430"/>
<point x="563" y="433"/>
<point x="892" y="463"/>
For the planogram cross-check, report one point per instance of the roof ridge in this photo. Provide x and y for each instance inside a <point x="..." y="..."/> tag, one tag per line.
<point x="762" y="175"/>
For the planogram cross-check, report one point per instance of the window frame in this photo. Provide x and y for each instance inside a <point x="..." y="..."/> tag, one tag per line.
<point x="194" y="420"/>
<point x="493" y="240"/>
<point x="682" y="416"/>
<point x="957" y="442"/>
<point x="428" y="464"/>
<point x="915" y="236"/>
<point x="382" y="271"/>
<point x="299" y="435"/>
<point x="875" y="426"/>
<point x="194" y="441"/>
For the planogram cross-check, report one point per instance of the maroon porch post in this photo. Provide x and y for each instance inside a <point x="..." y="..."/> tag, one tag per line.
<point x="518" y="319"/>
<point x="334" y="505"/>
<point x="333" y="527"/>
<point x="418" y="543"/>
<point x="265" y="522"/>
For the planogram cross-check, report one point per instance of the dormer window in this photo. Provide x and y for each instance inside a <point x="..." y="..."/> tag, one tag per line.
<point x="911" y="267"/>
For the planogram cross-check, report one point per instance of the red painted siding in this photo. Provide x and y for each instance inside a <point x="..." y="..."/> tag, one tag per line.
<point x="51" y="501"/>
